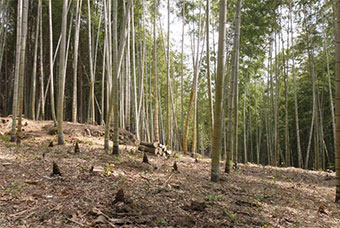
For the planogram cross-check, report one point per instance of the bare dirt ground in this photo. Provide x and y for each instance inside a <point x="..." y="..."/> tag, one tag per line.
<point x="153" y="195"/>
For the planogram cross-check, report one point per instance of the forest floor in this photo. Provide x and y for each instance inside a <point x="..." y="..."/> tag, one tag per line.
<point x="154" y="195"/>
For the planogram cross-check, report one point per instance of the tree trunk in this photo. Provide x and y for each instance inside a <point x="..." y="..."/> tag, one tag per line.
<point x="34" y="74"/>
<point x="109" y="53"/>
<point x="134" y="76"/>
<point x="182" y="75"/>
<point x="92" y="119"/>
<point x="155" y="89"/>
<point x="51" y="63"/>
<point x="192" y="101"/>
<point x="276" y="107"/>
<point x="211" y="114"/>
<point x="217" y="138"/>
<point x="168" y="98"/>
<point x="17" y="71"/>
<point x="245" y="125"/>
<point x="75" y="61"/>
<point x="233" y="97"/>
<point x="337" y="103"/>
<point x="41" y="65"/>
<point x="62" y="72"/>
<point x="330" y="92"/>
<point x="117" y="63"/>
<point x="22" y="68"/>
<point x="297" y="127"/>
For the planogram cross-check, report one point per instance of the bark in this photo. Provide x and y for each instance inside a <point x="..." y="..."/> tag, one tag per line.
<point x="41" y="64"/>
<point x="51" y="63"/>
<point x="92" y="76"/>
<point x="75" y="61"/>
<point x="109" y="52"/>
<point x="155" y="89"/>
<point x="330" y="92"/>
<point x="192" y="100"/>
<point x="285" y="72"/>
<point x="103" y="82"/>
<point x="62" y="69"/>
<point x="245" y="126"/>
<point x="22" y="68"/>
<point x="211" y="116"/>
<point x="16" y="75"/>
<point x="168" y="105"/>
<point x="297" y="127"/>
<point x="271" y="79"/>
<point x="182" y="75"/>
<point x="140" y="112"/>
<point x="34" y="74"/>
<point x="134" y="76"/>
<point x="117" y="63"/>
<point x="233" y="97"/>
<point x="197" y="67"/>
<point x="217" y="139"/>
<point x="276" y="107"/>
<point x="310" y="139"/>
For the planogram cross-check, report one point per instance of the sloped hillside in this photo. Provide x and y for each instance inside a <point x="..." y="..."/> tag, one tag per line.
<point x="149" y="195"/>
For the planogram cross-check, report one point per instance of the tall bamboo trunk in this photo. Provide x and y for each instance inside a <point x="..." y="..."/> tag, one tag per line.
<point x="337" y="102"/>
<point x="245" y="157"/>
<point x="51" y="63"/>
<point x="141" y="112"/>
<point x="192" y="100"/>
<point x="330" y="90"/>
<point x="108" y="40"/>
<point x="270" y="125"/>
<point x="34" y="74"/>
<point x="182" y="75"/>
<point x="286" y="83"/>
<point x="41" y="64"/>
<point x="155" y="89"/>
<point x="62" y="72"/>
<point x="17" y="70"/>
<point x="276" y="106"/>
<point x="233" y="97"/>
<point x="168" y="98"/>
<point x="211" y="114"/>
<point x="134" y="75"/>
<point x="117" y="65"/>
<point x="217" y="138"/>
<point x="22" y="68"/>
<point x="75" y="61"/>
<point x="92" y="76"/>
<point x="297" y="127"/>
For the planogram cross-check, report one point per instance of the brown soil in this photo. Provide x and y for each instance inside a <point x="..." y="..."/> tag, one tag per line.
<point x="151" y="195"/>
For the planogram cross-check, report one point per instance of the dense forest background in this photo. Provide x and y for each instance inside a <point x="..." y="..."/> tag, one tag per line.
<point x="284" y="85"/>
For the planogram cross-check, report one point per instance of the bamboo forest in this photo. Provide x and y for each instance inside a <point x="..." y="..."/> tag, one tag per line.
<point x="159" y="113"/>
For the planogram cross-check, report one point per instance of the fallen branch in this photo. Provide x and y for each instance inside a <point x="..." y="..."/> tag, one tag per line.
<point x="78" y="223"/>
<point x="167" y="181"/>
<point x="145" y="178"/>
<point x="99" y="212"/>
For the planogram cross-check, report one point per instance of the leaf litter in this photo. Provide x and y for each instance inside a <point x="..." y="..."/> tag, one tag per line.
<point x="97" y="189"/>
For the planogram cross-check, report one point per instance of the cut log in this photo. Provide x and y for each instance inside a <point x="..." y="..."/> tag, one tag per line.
<point x="147" y="149"/>
<point x="154" y="144"/>
<point x="155" y="148"/>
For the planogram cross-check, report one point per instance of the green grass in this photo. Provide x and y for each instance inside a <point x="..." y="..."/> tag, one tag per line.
<point x="160" y="222"/>
<point x="6" y="138"/>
